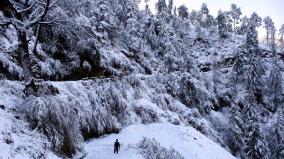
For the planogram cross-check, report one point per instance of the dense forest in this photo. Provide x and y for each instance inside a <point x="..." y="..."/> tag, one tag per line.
<point x="77" y="70"/>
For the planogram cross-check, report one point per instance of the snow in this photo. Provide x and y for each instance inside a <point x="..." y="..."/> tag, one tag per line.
<point x="17" y="140"/>
<point x="190" y="143"/>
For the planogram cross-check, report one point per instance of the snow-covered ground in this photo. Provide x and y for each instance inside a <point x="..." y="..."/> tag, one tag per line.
<point x="186" y="140"/>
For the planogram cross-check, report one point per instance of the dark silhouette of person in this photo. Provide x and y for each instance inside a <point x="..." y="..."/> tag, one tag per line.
<point x="116" y="146"/>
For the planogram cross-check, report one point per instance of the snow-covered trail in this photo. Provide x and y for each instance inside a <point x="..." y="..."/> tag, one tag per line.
<point x="186" y="140"/>
<point x="106" y="152"/>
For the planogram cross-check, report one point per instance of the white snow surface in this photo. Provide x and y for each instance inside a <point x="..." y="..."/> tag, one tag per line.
<point x="190" y="143"/>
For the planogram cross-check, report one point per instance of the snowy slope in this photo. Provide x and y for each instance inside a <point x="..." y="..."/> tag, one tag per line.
<point x="17" y="139"/>
<point x="186" y="140"/>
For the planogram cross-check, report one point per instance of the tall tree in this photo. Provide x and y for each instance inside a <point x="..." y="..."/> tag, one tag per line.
<point x="281" y="34"/>
<point x="235" y="14"/>
<point x="222" y="27"/>
<point x="242" y="30"/>
<point x="170" y="6"/>
<point x="236" y="133"/>
<point x="276" y="136"/>
<point x="270" y="32"/>
<point x="255" y="70"/>
<point x="193" y="16"/>
<point x="275" y="85"/>
<point x="161" y="6"/>
<point x="267" y="21"/>
<point x="256" y="146"/>
<point x="175" y="11"/>
<point x="27" y="15"/>
<point x="255" y="20"/>
<point x="252" y="35"/>
<point x="204" y="9"/>
<point x="183" y="12"/>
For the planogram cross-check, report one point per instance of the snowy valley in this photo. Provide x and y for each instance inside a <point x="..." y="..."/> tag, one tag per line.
<point x="77" y="75"/>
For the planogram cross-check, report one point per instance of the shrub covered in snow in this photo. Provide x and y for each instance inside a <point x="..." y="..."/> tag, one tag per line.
<point x="151" y="149"/>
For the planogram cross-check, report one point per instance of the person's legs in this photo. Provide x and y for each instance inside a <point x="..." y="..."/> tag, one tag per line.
<point x="116" y="150"/>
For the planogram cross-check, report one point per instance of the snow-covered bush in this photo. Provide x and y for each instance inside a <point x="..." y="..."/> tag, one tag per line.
<point x="151" y="149"/>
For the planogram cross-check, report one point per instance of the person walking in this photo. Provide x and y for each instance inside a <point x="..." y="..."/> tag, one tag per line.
<point x="116" y="146"/>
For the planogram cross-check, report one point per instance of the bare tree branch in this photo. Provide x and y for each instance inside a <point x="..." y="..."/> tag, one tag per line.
<point x="55" y="20"/>
<point x="41" y="16"/>
<point x="53" y="3"/>
<point x="28" y="8"/>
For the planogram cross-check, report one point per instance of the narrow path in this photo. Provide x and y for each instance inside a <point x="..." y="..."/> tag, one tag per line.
<point x="98" y="151"/>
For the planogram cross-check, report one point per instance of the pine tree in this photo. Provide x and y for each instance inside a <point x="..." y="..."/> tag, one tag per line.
<point x="275" y="85"/>
<point x="235" y="14"/>
<point x="204" y="9"/>
<point x="255" y="70"/>
<point x="252" y="35"/>
<point x="270" y="32"/>
<point x="238" y="69"/>
<point x="183" y="12"/>
<point x="281" y="34"/>
<point x="256" y="147"/>
<point x="222" y="27"/>
<point x="170" y="6"/>
<point x="193" y="16"/>
<point x="276" y="136"/>
<point x="267" y="25"/>
<point x="255" y="20"/>
<point x="204" y="18"/>
<point x="272" y="41"/>
<point x="175" y="11"/>
<point x="242" y="30"/>
<point x="147" y="8"/>
<point x="235" y="138"/>
<point x="161" y="6"/>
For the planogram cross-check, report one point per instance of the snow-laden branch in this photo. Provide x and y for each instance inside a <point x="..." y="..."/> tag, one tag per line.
<point x="26" y="9"/>
<point x="55" y="20"/>
<point x="41" y="16"/>
<point x="9" y="51"/>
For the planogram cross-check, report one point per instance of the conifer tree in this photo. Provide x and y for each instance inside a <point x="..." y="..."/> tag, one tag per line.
<point x="183" y="12"/>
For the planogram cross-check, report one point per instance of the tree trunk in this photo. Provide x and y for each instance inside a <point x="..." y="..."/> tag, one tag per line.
<point x="24" y="55"/>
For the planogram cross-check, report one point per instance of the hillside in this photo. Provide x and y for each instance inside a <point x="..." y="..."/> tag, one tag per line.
<point x="185" y="140"/>
<point x="73" y="74"/>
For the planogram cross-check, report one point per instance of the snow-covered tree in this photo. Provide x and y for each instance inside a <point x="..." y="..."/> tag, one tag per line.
<point x="256" y="146"/>
<point x="268" y="25"/>
<point x="255" y="70"/>
<point x="275" y="85"/>
<point x="204" y="17"/>
<point x="276" y="136"/>
<point x="170" y="6"/>
<point x="193" y="16"/>
<point x="281" y="34"/>
<point x="204" y="9"/>
<point x="242" y="30"/>
<point x="252" y="35"/>
<point x="199" y="32"/>
<point x="222" y="27"/>
<point x="255" y="20"/>
<point x="161" y="6"/>
<point x="28" y="15"/>
<point x="183" y="12"/>
<point x="255" y="74"/>
<point x="147" y="8"/>
<point x="236" y="132"/>
<point x="235" y="14"/>
<point x="175" y="11"/>
<point x="238" y="70"/>
<point x="270" y="32"/>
